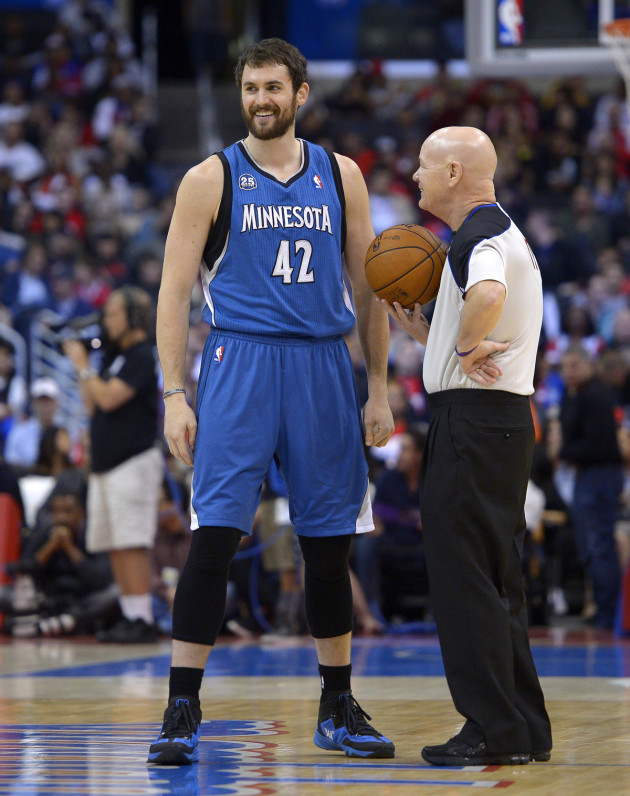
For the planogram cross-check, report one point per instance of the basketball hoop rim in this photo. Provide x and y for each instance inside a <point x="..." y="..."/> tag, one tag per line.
<point x="618" y="30"/>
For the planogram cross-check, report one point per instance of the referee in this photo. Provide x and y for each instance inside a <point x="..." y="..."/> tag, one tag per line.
<point x="478" y="370"/>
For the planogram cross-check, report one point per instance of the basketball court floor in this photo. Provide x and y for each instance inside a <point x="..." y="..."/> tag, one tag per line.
<point x="76" y="717"/>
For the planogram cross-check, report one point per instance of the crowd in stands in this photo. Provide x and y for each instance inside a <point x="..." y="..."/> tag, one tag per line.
<point x="85" y="207"/>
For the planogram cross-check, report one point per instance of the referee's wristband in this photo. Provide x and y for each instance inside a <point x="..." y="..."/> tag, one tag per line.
<point x="465" y="353"/>
<point x="173" y="391"/>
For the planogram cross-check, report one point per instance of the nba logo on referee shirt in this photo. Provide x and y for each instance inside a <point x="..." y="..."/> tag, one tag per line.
<point x="318" y="181"/>
<point x="218" y="354"/>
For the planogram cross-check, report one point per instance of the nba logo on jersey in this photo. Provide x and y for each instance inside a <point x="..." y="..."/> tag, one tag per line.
<point x="247" y="182"/>
<point x="218" y="354"/>
<point x="318" y="181"/>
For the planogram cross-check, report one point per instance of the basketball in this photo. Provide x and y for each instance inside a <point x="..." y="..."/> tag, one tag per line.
<point x="404" y="264"/>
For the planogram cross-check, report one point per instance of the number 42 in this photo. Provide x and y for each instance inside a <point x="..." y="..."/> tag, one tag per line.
<point x="283" y="267"/>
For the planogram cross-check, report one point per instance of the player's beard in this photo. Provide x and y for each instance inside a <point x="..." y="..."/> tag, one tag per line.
<point x="282" y="121"/>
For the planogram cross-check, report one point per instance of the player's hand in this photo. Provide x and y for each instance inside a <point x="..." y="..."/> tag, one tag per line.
<point x="411" y="321"/>
<point x="378" y="422"/>
<point x="180" y="428"/>
<point x="479" y="364"/>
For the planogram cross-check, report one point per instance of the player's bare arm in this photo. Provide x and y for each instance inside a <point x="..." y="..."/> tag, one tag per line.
<point x="372" y="323"/>
<point x="197" y="204"/>
<point x="482" y="309"/>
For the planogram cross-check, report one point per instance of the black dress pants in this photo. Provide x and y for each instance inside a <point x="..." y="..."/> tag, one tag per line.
<point x="474" y="479"/>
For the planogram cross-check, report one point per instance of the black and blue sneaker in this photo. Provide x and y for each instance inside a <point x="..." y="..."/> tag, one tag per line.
<point x="176" y="745"/>
<point x="342" y="726"/>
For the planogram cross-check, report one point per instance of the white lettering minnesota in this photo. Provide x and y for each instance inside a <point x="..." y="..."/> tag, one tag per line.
<point x="285" y="216"/>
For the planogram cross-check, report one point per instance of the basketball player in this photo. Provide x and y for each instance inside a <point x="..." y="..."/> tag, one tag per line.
<point x="126" y="466"/>
<point x="478" y="371"/>
<point x="270" y="221"/>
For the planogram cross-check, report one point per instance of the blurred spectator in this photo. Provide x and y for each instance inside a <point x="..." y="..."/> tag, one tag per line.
<point x="21" y="159"/>
<point x="583" y="217"/>
<point x="366" y="624"/>
<point x="352" y="144"/>
<point x="151" y="227"/>
<point x="402" y="412"/>
<point x="73" y="591"/>
<point x="115" y="108"/>
<point x="23" y="441"/>
<point x="170" y="550"/>
<point x="112" y="265"/>
<point x="558" y="543"/>
<point x="613" y="368"/>
<point x="610" y="117"/>
<point x="91" y="287"/>
<point x="389" y="205"/>
<point x="406" y="356"/>
<point x="576" y="329"/>
<point x="533" y="561"/>
<point x="434" y="105"/>
<point x="13" y="392"/>
<point x="105" y="195"/>
<point x="558" y="165"/>
<point x="589" y="441"/>
<point x="59" y="74"/>
<point x="560" y="259"/>
<point x="126" y="155"/>
<point x="607" y="186"/>
<point x="37" y="482"/>
<point x="55" y="449"/>
<point x="65" y="299"/>
<point x="149" y="274"/>
<point x="88" y="19"/>
<point x="389" y="562"/>
<point x="280" y="556"/>
<point x="603" y="304"/>
<point x="24" y="289"/>
<point x="353" y="96"/>
<point x="621" y="331"/>
<point x="13" y="107"/>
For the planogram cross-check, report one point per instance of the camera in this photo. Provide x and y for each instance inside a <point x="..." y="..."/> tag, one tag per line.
<point x="86" y="329"/>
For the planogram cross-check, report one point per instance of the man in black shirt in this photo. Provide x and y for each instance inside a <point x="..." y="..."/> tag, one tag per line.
<point x="127" y="468"/>
<point x="588" y="440"/>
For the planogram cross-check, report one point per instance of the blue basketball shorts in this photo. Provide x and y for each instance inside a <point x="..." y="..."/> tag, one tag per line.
<point x="296" y="400"/>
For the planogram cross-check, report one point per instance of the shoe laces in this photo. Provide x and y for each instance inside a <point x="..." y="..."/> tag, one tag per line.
<point x="179" y="720"/>
<point x="354" y="717"/>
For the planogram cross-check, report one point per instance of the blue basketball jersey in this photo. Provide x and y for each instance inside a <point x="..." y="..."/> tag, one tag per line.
<point x="272" y="264"/>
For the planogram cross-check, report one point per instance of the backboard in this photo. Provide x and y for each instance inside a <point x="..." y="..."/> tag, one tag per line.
<point x="521" y="38"/>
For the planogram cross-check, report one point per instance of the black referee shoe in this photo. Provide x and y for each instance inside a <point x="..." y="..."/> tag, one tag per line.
<point x="457" y="752"/>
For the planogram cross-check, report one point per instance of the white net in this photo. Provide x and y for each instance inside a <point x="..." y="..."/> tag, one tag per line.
<point x="616" y="36"/>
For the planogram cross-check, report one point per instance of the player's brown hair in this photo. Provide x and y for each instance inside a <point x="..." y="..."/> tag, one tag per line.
<point x="273" y="52"/>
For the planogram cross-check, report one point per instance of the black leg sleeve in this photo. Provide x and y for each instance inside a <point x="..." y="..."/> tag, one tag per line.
<point x="200" y="597"/>
<point x="327" y="589"/>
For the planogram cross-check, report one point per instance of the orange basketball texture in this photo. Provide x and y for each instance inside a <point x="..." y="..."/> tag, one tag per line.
<point x="404" y="264"/>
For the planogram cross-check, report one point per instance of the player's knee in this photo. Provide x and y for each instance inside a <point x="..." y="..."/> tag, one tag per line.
<point x="212" y="548"/>
<point x="326" y="557"/>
